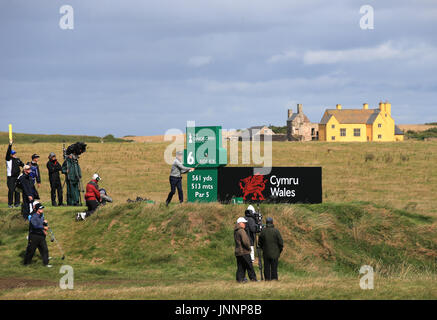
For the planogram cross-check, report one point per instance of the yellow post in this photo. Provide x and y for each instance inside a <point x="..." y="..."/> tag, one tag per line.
<point x="10" y="132"/>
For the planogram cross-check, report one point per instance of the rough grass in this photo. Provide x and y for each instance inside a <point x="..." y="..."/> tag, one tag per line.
<point x="186" y="251"/>
<point x="378" y="210"/>
<point x="402" y="175"/>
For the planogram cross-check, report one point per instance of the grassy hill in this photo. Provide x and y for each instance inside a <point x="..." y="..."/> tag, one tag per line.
<point x="129" y="250"/>
<point x="379" y="209"/>
<point x="22" y="138"/>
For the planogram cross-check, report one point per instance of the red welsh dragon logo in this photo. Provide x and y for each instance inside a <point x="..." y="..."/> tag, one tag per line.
<point x="253" y="185"/>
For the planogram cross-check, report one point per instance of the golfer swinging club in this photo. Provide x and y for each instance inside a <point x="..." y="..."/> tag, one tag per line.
<point x="177" y="169"/>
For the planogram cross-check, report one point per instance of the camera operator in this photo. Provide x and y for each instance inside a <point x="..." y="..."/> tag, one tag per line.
<point x="37" y="236"/>
<point x="252" y="228"/>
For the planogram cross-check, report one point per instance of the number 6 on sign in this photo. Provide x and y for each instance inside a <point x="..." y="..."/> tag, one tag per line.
<point x="190" y="159"/>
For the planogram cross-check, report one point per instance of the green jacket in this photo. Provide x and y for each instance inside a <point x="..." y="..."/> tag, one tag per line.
<point x="71" y="168"/>
<point x="270" y="241"/>
<point x="242" y="241"/>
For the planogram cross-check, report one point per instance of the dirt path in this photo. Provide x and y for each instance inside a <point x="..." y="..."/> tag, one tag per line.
<point x="13" y="283"/>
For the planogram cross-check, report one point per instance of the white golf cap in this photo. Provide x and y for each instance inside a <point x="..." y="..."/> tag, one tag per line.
<point x="96" y="177"/>
<point x="241" y="219"/>
<point x="251" y="208"/>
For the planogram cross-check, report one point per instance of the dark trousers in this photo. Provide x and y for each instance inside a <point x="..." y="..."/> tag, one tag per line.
<point x="12" y="192"/>
<point x="244" y="263"/>
<point x="26" y="207"/>
<point x="92" y="207"/>
<point x="36" y="241"/>
<point x="175" y="183"/>
<point x="270" y="269"/>
<point x="56" y="187"/>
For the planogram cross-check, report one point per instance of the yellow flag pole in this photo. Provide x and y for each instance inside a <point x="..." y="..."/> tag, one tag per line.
<point x="10" y="132"/>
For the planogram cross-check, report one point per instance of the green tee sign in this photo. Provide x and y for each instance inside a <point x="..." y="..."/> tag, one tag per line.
<point x="202" y="185"/>
<point x="204" y="152"/>
<point x="204" y="147"/>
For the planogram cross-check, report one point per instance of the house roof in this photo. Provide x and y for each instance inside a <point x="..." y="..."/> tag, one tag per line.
<point x="257" y="127"/>
<point x="294" y="116"/>
<point x="351" y="116"/>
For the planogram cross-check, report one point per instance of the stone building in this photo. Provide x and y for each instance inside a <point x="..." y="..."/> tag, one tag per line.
<point x="299" y="127"/>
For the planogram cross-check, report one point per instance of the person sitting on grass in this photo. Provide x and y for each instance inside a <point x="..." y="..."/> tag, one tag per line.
<point x="92" y="198"/>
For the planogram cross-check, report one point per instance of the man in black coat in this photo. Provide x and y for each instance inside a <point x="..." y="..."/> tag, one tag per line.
<point x="251" y="229"/>
<point x="271" y="243"/>
<point x="54" y="168"/>
<point x="29" y="192"/>
<point x="13" y="165"/>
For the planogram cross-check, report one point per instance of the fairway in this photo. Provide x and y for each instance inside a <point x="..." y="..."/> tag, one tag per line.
<point x="379" y="208"/>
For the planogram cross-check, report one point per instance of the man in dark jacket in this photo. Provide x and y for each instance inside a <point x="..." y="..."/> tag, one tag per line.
<point x="92" y="198"/>
<point x="251" y="229"/>
<point x="35" y="175"/>
<point x="13" y="165"/>
<point x="37" y="236"/>
<point x="29" y="191"/>
<point x="242" y="252"/>
<point x="271" y="243"/>
<point x="54" y="168"/>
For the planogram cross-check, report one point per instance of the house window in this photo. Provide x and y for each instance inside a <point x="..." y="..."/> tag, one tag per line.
<point x="343" y="132"/>
<point x="379" y="125"/>
<point x="333" y="138"/>
<point x="333" y="126"/>
<point x="379" y="136"/>
<point x="357" y="132"/>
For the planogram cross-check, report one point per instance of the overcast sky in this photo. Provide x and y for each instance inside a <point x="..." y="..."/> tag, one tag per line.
<point x="136" y="67"/>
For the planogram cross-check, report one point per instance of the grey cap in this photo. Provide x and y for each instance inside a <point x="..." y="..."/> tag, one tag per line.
<point x="51" y="155"/>
<point x="179" y="153"/>
<point x="269" y="220"/>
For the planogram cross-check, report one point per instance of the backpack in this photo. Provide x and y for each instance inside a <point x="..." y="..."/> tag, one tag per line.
<point x="18" y="185"/>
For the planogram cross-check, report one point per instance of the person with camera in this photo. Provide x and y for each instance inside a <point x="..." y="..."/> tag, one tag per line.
<point x="271" y="243"/>
<point x="252" y="229"/>
<point x="242" y="252"/>
<point x="38" y="227"/>
<point x="13" y="164"/>
<point x="73" y="175"/>
<point x="54" y="167"/>
<point x="25" y="183"/>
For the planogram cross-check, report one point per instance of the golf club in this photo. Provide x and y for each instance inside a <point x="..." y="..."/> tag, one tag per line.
<point x="52" y="238"/>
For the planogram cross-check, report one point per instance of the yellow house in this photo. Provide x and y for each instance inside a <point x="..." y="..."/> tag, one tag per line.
<point x="359" y="124"/>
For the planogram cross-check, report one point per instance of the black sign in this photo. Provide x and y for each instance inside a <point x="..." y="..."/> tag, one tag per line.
<point x="277" y="185"/>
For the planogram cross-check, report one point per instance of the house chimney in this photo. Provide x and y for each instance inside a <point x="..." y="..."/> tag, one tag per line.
<point x="338" y="106"/>
<point x="382" y="107"/>
<point x="365" y="106"/>
<point x="388" y="107"/>
<point x="289" y="113"/>
<point x="299" y="108"/>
